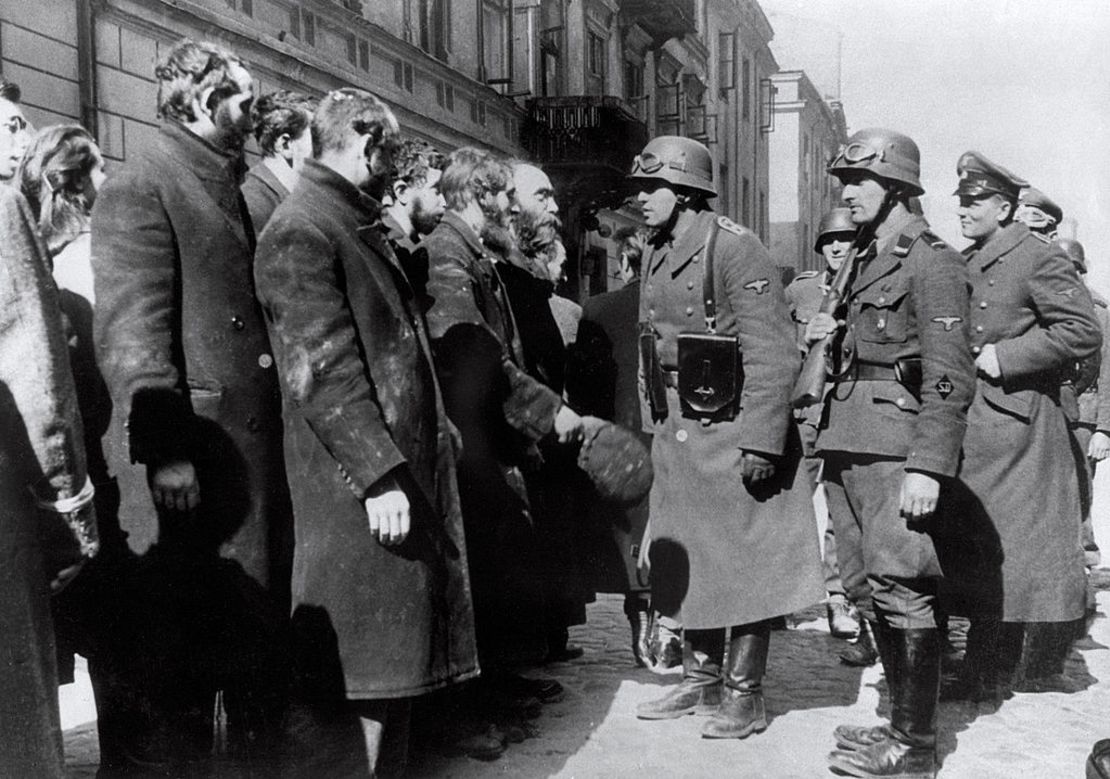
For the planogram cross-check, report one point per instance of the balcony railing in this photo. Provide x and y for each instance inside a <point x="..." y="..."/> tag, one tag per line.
<point x="585" y="130"/>
<point x="662" y="19"/>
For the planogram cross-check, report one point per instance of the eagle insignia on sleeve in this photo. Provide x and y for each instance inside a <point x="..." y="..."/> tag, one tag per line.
<point x="727" y="224"/>
<point x="758" y="286"/>
<point x="948" y="321"/>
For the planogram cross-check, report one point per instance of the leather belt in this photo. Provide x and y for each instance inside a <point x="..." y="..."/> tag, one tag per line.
<point x="670" y="379"/>
<point x="869" y="371"/>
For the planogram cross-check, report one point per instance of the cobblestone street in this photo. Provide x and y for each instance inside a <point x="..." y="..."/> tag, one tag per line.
<point x="593" y="731"/>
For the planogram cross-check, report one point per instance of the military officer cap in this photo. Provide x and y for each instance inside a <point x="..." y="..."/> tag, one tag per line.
<point x="1034" y="198"/>
<point x="885" y="154"/>
<point x="980" y="177"/>
<point x="838" y="220"/>
<point x="676" y="160"/>
<point x="1074" y="250"/>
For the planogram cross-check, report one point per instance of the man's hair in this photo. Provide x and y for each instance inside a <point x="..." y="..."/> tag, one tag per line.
<point x="280" y="113"/>
<point x="414" y="159"/>
<point x="633" y="241"/>
<point x="346" y="111"/>
<point x="52" y="177"/>
<point x="187" y="70"/>
<point x="472" y="174"/>
<point x="9" y="90"/>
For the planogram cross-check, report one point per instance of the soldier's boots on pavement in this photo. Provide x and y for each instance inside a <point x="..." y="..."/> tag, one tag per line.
<point x="907" y="747"/>
<point x="843" y="617"/>
<point x="699" y="692"/>
<point x="741" y="712"/>
<point x="863" y="653"/>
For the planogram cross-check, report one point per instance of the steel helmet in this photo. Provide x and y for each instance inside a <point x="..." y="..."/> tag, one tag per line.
<point x="838" y="220"/>
<point x="676" y="160"/>
<point x="884" y="153"/>
<point x="1074" y="250"/>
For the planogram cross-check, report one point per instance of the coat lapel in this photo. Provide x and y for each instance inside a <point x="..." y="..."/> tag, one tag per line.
<point x="998" y="246"/>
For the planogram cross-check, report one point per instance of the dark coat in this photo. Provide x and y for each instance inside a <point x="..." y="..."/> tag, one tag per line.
<point x="40" y="450"/>
<point x="183" y="348"/>
<point x="728" y="555"/>
<point x="501" y="412"/>
<point x="602" y="381"/>
<point x="1029" y="302"/>
<point x="362" y="402"/>
<point x="262" y="192"/>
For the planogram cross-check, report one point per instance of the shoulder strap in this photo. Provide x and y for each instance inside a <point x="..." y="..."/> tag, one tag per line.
<point x="708" y="293"/>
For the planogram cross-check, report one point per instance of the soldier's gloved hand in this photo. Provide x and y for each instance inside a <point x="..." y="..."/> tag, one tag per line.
<point x="987" y="362"/>
<point x="918" y="498"/>
<point x="755" y="469"/>
<point x="1099" y="447"/>
<point x="820" y="326"/>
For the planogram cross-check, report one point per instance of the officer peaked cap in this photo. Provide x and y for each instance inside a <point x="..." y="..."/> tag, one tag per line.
<point x="980" y="177"/>
<point x="1037" y="199"/>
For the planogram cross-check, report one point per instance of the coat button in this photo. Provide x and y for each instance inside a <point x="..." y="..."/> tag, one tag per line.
<point x="689" y="310"/>
<point x="990" y="282"/>
<point x="976" y="350"/>
<point x="681" y="436"/>
<point x="689" y="285"/>
<point x="651" y="311"/>
<point x="900" y="402"/>
<point x="880" y="325"/>
<point x="265" y="361"/>
<point x="982" y="304"/>
<point x="238" y="323"/>
<point x="252" y="424"/>
<point x="881" y="300"/>
<point x="978" y="328"/>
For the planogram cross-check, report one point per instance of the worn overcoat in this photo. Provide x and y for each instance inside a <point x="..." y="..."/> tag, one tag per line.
<point x="362" y="402"/>
<point x="501" y="412"/>
<point x="183" y="347"/>
<point x="41" y="455"/>
<point x="1029" y="302"/>
<point x="723" y="553"/>
<point x="262" y="191"/>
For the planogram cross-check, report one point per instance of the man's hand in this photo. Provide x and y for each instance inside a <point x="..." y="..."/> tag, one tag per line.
<point x="174" y="487"/>
<point x="62" y="579"/>
<point x="755" y="469"/>
<point x="987" y="362"/>
<point x="1099" y="447"/>
<point x="820" y="326"/>
<point x="918" y="498"/>
<point x="387" y="511"/>
<point x="568" y="425"/>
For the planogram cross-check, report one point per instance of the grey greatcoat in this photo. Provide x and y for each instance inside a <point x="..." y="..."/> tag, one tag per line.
<point x="40" y="450"/>
<point x="726" y="554"/>
<point x="362" y="402"/>
<point x="1029" y="302"/>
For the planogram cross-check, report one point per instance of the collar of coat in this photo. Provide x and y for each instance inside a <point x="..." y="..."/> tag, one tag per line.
<point x="1001" y="243"/>
<point x="367" y="209"/>
<point x="685" y="245"/>
<point x="204" y="159"/>
<point x="890" y="255"/>
<point x="396" y="234"/>
<point x="452" y="220"/>
<point x="262" y="172"/>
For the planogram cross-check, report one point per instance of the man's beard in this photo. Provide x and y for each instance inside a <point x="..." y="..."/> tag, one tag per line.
<point x="535" y="232"/>
<point x="495" y="233"/>
<point x="424" y="220"/>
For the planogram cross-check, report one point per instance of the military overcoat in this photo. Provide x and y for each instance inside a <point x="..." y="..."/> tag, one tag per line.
<point x="724" y="554"/>
<point x="361" y="401"/>
<point x="1019" y="464"/>
<point x="183" y="348"/>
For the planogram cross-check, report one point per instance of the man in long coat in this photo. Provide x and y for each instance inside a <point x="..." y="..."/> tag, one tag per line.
<point x="1031" y="321"/>
<point x="380" y="561"/>
<point x="195" y="440"/>
<point x="280" y="120"/>
<point x="42" y="461"/>
<point x="891" y="434"/>
<point x="734" y="537"/>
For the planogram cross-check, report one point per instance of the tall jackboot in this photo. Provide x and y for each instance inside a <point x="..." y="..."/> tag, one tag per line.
<point x="860" y="736"/>
<point x="699" y="692"/>
<point x="864" y="652"/>
<point x="741" y="712"/>
<point x="909" y="751"/>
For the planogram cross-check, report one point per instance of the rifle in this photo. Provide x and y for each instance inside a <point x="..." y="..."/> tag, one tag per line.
<point x="809" y="389"/>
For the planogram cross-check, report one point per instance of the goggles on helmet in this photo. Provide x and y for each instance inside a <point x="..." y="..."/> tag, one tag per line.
<point x="857" y="152"/>
<point x="650" y="164"/>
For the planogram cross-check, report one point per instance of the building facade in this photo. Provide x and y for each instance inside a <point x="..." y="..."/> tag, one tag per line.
<point x="808" y="130"/>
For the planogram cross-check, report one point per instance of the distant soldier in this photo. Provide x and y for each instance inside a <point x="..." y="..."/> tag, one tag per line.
<point x="891" y="437"/>
<point x="1038" y="212"/>
<point x="835" y="234"/>
<point x="281" y="129"/>
<point x="733" y="542"/>
<point x="1031" y="321"/>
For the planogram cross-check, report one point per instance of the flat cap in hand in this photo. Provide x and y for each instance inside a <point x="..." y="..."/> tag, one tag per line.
<point x="617" y="462"/>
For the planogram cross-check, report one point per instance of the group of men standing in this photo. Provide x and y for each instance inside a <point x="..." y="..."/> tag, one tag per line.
<point x="950" y="461"/>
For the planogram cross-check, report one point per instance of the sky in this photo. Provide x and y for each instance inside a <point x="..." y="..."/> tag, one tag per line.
<point x="1025" y="82"/>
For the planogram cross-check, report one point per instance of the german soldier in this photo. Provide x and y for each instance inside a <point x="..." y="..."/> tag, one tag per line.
<point x="1038" y="211"/>
<point x="891" y="435"/>
<point x="733" y="540"/>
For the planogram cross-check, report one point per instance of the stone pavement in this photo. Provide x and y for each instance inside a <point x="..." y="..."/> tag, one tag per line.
<point x="593" y="731"/>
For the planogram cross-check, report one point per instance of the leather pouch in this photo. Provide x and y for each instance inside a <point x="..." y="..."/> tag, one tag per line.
<point x="710" y="376"/>
<point x="654" y="387"/>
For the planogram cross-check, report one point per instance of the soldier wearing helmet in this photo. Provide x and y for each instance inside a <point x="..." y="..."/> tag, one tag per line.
<point x="1038" y="211"/>
<point x="891" y="433"/>
<point x="835" y="233"/>
<point x="732" y="519"/>
<point x="1030" y="322"/>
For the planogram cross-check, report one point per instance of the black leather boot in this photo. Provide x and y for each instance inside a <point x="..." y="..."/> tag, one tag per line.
<point x="864" y="652"/>
<point x="860" y="736"/>
<point x="699" y="692"/>
<point x="909" y="751"/>
<point x="741" y="712"/>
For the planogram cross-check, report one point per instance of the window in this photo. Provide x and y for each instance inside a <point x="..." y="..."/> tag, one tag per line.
<point x="364" y="55"/>
<point x="246" y="6"/>
<point x="309" y="29"/>
<point x="726" y="63"/>
<point x="408" y="28"/>
<point x="402" y="75"/>
<point x="746" y="88"/>
<point x="633" y="80"/>
<point x="595" y="54"/>
<point x="668" y="103"/>
<point x="352" y="50"/>
<point x="495" y="40"/>
<point x="550" y="61"/>
<point x="302" y="25"/>
<point x="445" y="96"/>
<point x="478" y="112"/>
